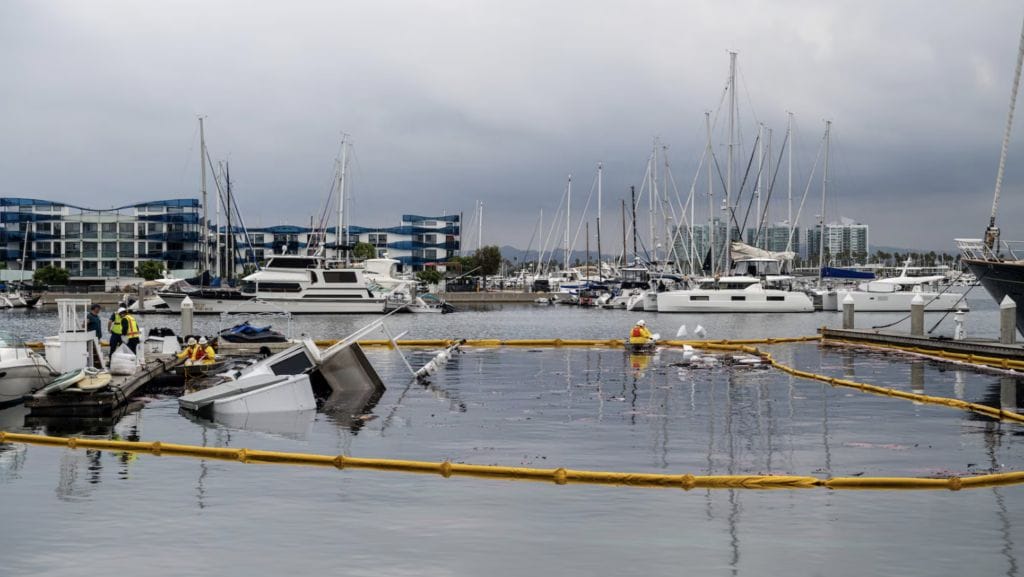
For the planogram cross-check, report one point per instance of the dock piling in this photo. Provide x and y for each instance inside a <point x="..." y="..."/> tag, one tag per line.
<point x="186" y="317"/>
<point x="848" y="311"/>
<point x="917" y="316"/>
<point x="1007" y="321"/>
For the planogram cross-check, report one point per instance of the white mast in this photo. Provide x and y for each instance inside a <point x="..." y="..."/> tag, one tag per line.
<point x="821" y="220"/>
<point x="342" y="198"/>
<point x="760" y="181"/>
<point x="769" y="178"/>
<point x="729" y="169"/>
<point x="711" y="197"/>
<point x="652" y="193"/>
<point x="600" y="272"/>
<point x="480" y="226"/>
<point x="204" y="232"/>
<point x="340" y="185"/>
<point x="568" y="207"/>
<point x="789" y="186"/>
<point x="217" y="230"/>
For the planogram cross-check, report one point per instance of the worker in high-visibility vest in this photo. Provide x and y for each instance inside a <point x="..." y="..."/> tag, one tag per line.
<point x="131" y="330"/>
<point x="116" y="328"/>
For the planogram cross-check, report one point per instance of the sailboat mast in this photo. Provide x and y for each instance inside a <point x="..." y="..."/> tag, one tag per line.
<point x="789" y="184"/>
<point x="342" y="197"/>
<point x="568" y="210"/>
<point x="992" y="232"/>
<point x="760" y="182"/>
<point x="729" y="168"/>
<point x="480" y="227"/>
<point x="632" y="195"/>
<point x="205" y="247"/>
<point x="217" y="231"/>
<point x="230" y="256"/>
<point x="824" y="186"/>
<point x="600" y="272"/>
<point x="625" y="247"/>
<point x="711" y="196"/>
<point x="652" y="194"/>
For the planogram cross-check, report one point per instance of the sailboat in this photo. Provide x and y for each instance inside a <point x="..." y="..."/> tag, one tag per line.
<point x="994" y="262"/>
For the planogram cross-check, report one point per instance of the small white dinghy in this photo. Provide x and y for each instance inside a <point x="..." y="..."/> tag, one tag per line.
<point x="253" y="394"/>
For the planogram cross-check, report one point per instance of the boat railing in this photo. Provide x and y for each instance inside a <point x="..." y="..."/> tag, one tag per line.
<point x="976" y="249"/>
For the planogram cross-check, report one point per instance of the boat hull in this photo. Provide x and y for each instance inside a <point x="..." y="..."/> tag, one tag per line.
<point x="726" y="301"/>
<point x="21" y="378"/>
<point x="294" y="306"/>
<point x="1001" y="279"/>
<point x="866" y="301"/>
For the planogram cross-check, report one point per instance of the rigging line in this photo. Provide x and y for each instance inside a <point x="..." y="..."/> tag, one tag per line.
<point x="771" y="187"/>
<point x="807" y="189"/>
<point x="750" y="164"/>
<point x="583" y="217"/>
<point x="743" y="183"/>
<point x="962" y="297"/>
<point x="1009" y="128"/>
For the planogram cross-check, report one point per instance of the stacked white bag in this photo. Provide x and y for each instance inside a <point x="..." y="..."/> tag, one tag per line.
<point x="123" y="361"/>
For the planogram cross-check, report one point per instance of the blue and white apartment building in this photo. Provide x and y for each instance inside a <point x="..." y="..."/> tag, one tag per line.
<point x="107" y="245"/>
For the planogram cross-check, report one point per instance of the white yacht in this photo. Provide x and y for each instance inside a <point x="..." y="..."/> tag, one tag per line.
<point x="896" y="293"/>
<point x="763" y="291"/>
<point x="297" y="284"/>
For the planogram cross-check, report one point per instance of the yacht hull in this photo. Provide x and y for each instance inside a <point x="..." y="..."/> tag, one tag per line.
<point x="1001" y="279"/>
<point x="294" y="306"/>
<point x="727" y="301"/>
<point x="867" y="301"/>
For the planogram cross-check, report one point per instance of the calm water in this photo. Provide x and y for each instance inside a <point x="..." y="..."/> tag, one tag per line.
<point x="87" y="513"/>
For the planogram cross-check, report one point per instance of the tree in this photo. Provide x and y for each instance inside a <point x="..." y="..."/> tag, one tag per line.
<point x="429" y="276"/>
<point x="488" y="258"/>
<point x="364" y="250"/>
<point x="150" y="269"/>
<point x="51" y="275"/>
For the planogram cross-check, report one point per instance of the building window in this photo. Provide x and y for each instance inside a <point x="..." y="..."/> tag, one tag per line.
<point x="153" y="228"/>
<point x="127" y="229"/>
<point x="72" y="229"/>
<point x="89" y="249"/>
<point x="378" y="238"/>
<point x="109" y="268"/>
<point x="74" y="267"/>
<point x="127" y="269"/>
<point x="430" y="253"/>
<point x="127" y="249"/>
<point x="257" y="239"/>
<point x="90" y="230"/>
<point x="44" y="227"/>
<point x="72" y="249"/>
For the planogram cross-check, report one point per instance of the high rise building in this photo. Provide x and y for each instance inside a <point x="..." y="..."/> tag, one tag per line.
<point x="845" y="242"/>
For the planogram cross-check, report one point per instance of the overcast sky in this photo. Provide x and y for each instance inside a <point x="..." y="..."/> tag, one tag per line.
<point x="450" y="102"/>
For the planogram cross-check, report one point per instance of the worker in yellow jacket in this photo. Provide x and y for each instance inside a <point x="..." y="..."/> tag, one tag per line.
<point x="640" y="335"/>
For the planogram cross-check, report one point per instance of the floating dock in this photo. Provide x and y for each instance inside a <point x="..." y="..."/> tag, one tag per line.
<point x="104" y="402"/>
<point x="980" y="351"/>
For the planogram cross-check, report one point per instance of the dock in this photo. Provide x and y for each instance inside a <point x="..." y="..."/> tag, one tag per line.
<point x="105" y="402"/>
<point x="939" y="346"/>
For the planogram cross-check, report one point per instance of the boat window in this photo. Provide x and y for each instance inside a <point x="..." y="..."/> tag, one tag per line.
<point x="280" y="287"/>
<point x="313" y="278"/>
<point x="698" y="297"/>
<point x="290" y="263"/>
<point x="739" y="298"/>
<point x="776" y="298"/>
<point x="341" y="276"/>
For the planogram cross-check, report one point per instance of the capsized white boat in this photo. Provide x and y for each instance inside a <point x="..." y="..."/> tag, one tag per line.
<point x="22" y="372"/>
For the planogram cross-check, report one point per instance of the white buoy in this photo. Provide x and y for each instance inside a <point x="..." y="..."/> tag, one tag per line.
<point x="681" y="333"/>
<point x="700" y="332"/>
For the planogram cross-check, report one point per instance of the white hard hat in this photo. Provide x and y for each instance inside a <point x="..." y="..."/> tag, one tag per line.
<point x="640" y="323"/>
<point x="192" y="340"/>
<point x="202" y="340"/>
<point x="122" y="310"/>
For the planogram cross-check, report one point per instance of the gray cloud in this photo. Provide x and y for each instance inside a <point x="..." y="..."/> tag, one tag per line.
<point x="450" y="102"/>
